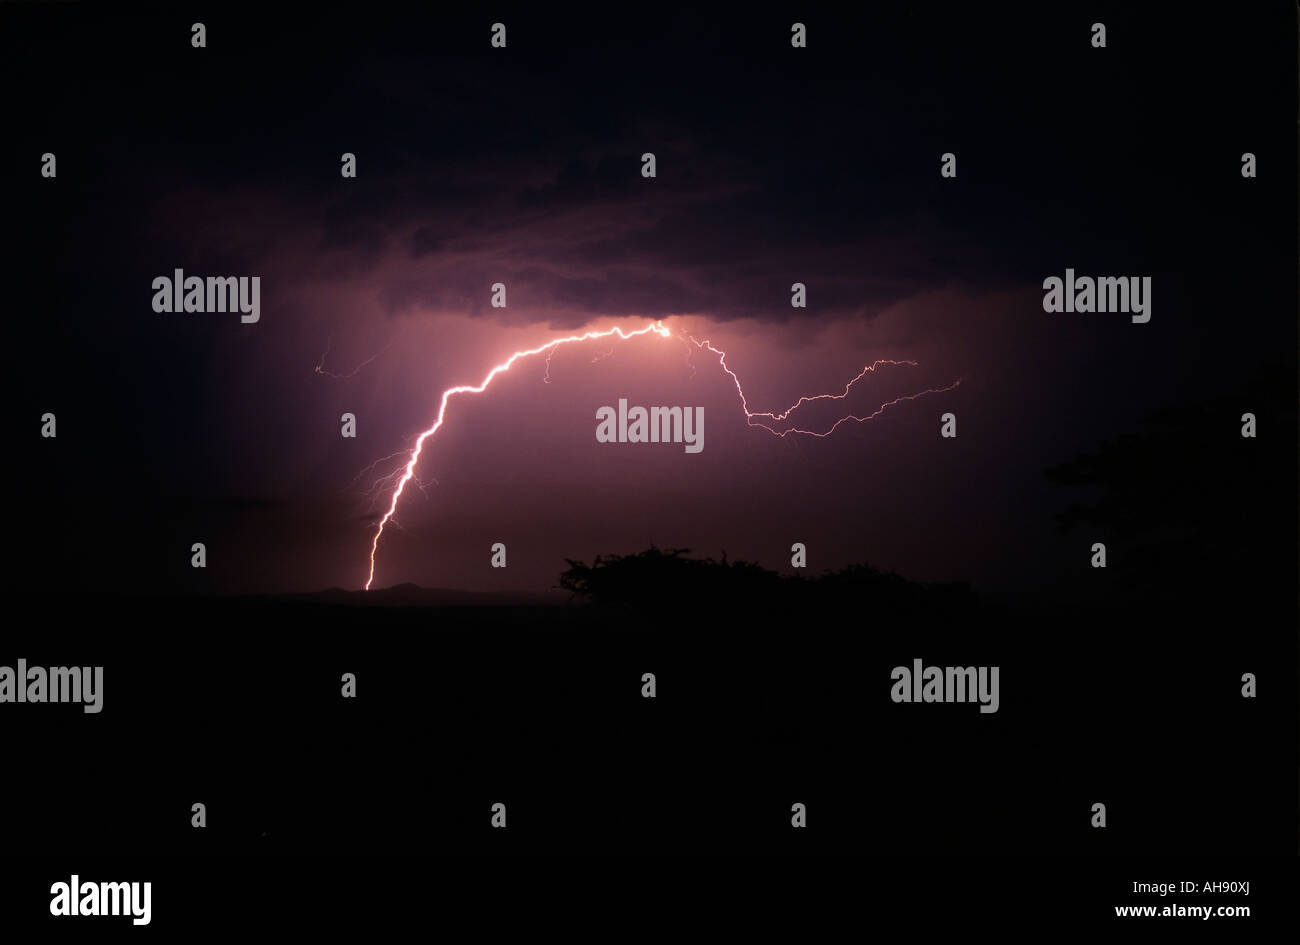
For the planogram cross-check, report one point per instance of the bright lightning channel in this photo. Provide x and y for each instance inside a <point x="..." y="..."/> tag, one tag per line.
<point x="752" y="418"/>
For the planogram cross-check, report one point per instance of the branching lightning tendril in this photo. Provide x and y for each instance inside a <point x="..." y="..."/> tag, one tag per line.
<point x="329" y="343"/>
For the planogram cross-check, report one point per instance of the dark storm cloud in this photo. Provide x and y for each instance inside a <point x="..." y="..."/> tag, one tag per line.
<point x="588" y="246"/>
<point x="526" y="169"/>
<point x="523" y="166"/>
<point x="425" y="240"/>
<point x="612" y="178"/>
<point x="766" y="176"/>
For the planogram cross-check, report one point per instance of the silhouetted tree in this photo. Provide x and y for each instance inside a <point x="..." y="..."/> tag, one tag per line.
<point x="1189" y="507"/>
<point x="655" y="580"/>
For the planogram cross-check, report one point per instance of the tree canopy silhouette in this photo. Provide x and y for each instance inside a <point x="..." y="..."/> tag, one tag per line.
<point x="1187" y="504"/>
<point x="657" y="579"/>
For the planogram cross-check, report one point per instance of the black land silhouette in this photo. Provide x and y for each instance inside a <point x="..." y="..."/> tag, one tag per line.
<point x="655" y="581"/>
<point x="1121" y="685"/>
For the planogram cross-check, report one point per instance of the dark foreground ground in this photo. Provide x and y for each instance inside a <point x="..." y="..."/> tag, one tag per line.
<point x="759" y="705"/>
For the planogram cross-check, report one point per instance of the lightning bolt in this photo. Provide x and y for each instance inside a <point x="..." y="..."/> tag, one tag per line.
<point x="329" y="342"/>
<point x="783" y="415"/>
<point x="752" y="418"/>
<point x="409" y="472"/>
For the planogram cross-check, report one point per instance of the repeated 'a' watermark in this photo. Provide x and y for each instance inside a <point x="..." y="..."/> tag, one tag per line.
<point x="651" y="425"/>
<point x="181" y="293"/>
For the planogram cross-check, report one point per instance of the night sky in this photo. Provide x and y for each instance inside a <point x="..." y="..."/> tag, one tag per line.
<point x="522" y="165"/>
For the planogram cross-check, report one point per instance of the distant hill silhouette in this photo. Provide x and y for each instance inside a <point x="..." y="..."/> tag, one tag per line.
<point x="413" y="595"/>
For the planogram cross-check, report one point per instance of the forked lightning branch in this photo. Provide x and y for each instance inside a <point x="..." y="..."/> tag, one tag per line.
<point x="639" y="424"/>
